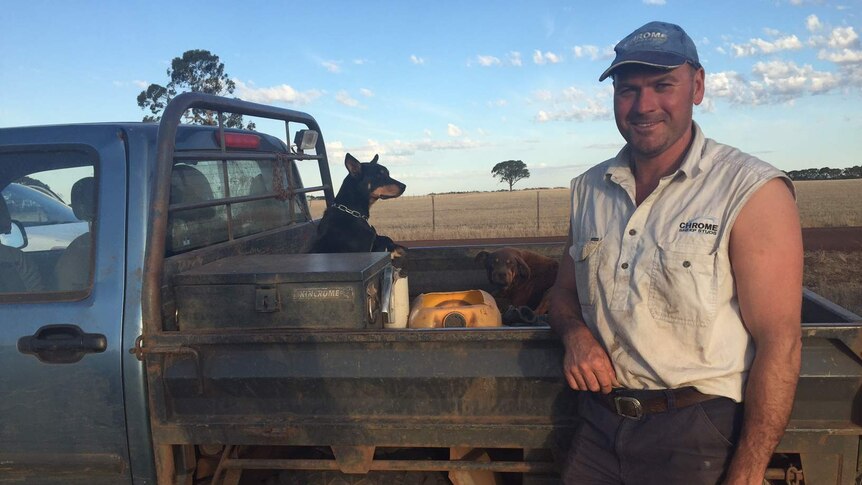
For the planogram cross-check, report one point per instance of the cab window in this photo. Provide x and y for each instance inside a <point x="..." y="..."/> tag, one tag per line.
<point x="204" y="209"/>
<point x="47" y="223"/>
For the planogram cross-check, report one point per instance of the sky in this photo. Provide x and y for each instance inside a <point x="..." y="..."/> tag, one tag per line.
<point x="445" y="90"/>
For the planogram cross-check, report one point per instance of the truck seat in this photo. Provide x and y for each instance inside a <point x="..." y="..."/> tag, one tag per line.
<point x="72" y="271"/>
<point x="193" y="228"/>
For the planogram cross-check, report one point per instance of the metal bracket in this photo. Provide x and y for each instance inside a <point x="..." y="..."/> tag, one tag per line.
<point x="141" y="351"/>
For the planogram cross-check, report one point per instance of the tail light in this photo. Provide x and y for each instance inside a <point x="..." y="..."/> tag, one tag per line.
<point x="246" y="141"/>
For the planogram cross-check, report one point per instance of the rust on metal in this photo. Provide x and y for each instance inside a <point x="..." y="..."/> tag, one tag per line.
<point x="353" y="459"/>
<point x="394" y="465"/>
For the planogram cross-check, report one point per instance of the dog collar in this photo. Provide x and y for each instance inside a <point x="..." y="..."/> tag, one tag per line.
<point x="350" y="211"/>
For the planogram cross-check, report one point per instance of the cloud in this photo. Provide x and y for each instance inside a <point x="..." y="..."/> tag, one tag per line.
<point x="547" y="57"/>
<point x="553" y="58"/>
<point x="842" y="56"/>
<point x="282" y="93"/>
<point x="488" y="61"/>
<point x="515" y="58"/>
<point x="396" y="152"/>
<point x="408" y="148"/>
<point x="453" y="130"/>
<point x="770" y="83"/>
<point x="344" y="98"/>
<point x="592" y="111"/>
<point x="332" y="66"/>
<point x="851" y="75"/>
<point x="812" y="23"/>
<point x="761" y="46"/>
<point x="135" y="83"/>
<point x="593" y="52"/>
<point x="843" y="37"/>
<point x="360" y="62"/>
<point x="498" y="103"/>
<point x="654" y="2"/>
<point x="366" y="92"/>
<point x="572" y="93"/>
<point x="542" y="95"/>
<point x="573" y="104"/>
<point x="416" y="60"/>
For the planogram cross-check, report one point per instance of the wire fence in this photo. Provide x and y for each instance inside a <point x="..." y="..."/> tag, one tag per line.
<point x="522" y="213"/>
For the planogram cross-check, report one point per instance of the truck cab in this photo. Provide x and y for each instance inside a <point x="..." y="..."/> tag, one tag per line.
<point x="77" y="203"/>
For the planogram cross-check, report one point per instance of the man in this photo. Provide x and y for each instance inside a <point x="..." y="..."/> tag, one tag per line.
<point x="678" y="299"/>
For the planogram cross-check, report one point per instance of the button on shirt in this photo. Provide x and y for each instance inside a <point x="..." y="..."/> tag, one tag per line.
<point x="654" y="281"/>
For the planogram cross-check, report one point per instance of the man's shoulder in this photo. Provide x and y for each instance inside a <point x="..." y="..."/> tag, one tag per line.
<point x="721" y="157"/>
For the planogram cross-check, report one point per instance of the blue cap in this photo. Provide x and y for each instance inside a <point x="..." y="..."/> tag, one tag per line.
<point x="657" y="44"/>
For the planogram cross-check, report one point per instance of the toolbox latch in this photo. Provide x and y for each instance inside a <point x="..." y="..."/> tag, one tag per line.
<point x="266" y="299"/>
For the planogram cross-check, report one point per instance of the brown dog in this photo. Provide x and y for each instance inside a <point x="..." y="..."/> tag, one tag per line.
<point x="522" y="278"/>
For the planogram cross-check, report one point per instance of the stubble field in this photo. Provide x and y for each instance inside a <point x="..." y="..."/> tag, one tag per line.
<point x="836" y="275"/>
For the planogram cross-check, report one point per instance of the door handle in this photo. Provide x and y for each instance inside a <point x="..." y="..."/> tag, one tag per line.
<point x="62" y="344"/>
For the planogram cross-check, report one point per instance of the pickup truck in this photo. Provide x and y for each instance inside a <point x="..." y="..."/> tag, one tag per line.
<point x="112" y="372"/>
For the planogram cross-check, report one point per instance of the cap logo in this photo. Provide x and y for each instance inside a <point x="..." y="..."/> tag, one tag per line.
<point x="647" y="37"/>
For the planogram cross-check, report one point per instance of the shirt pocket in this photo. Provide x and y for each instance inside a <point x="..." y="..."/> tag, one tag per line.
<point x="683" y="286"/>
<point x="586" y="257"/>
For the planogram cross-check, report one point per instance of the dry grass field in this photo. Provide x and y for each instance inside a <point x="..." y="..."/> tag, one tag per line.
<point x="822" y="203"/>
<point x="830" y="203"/>
<point x="837" y="276"/>
<point x="835" y="203"/>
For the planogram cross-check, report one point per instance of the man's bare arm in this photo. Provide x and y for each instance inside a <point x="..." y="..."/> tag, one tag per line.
<point x="586" y="364"/>
<point x="766" y="256"/>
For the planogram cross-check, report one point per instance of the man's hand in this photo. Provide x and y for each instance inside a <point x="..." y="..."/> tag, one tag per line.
<point x="586" y="364"/>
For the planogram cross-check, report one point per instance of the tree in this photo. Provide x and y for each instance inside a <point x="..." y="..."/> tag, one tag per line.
<point x="198" y="71"/>
<point x="510" y="172"/>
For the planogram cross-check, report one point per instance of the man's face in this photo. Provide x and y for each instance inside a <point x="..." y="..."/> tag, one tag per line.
<point x="653" y="107"/>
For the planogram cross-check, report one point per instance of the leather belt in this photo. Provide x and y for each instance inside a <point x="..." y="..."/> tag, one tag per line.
<point x="624" y="403"/>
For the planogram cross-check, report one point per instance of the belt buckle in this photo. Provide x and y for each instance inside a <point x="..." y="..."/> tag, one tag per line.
<point x="628" y="407"/>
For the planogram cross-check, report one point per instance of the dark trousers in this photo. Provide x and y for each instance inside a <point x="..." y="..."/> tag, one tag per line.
<point x="687" y="446"/>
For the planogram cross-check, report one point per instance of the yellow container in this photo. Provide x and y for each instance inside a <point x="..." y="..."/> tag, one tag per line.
<point x="471" y="308"/>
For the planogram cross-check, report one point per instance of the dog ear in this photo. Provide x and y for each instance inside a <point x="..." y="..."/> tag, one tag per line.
<point x="481" y="257"/>
<point x="374" y="160"/>
<point x="523" y="268"/>
<point x="353" y="165"/>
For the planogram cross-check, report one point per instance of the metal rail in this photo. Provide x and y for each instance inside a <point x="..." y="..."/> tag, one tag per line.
<point x="166" y="146"/>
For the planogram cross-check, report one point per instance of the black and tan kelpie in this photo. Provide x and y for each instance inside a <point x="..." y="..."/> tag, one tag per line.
<point x="344" y="227"/>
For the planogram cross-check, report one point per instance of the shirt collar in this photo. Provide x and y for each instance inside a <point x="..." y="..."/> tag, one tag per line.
<point x="619" y="169"/>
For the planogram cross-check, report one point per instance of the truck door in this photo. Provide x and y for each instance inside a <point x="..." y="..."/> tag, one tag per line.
<point x="62" y="417"/>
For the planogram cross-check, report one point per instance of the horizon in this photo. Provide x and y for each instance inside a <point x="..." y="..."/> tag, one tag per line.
<point x="444" y="92"/>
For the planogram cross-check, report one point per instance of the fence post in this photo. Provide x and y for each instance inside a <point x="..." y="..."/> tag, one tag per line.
<point x="537" y="212"/>
<point x="433" y="219"/>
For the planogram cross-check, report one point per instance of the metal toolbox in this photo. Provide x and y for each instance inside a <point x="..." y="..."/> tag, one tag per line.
<point x="283" y="291"/>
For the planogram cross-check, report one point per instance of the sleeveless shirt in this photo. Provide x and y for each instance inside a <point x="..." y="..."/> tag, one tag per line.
<point x="655" y="281"/>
